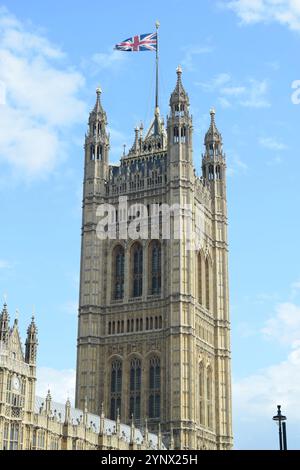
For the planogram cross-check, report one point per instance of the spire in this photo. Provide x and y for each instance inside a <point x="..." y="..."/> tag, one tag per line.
<point x="159" y="437"/>
<point x="85" y="411"/>
<point x="48" y="403"/>
<point x="132" y="431"/>
<point x="179" y="95"/>
<point x="31" y="343"/>
<point x="67" y="411"/>
<point x="97" y="138"/>
<point x="4" y="324"/>
<point x="146" y="435"/>
<point x="213" y="161"/>
<point x="171" y="446"/>
<point x="118" y="423"/>
<point x="213" y="135"/>
<point x="102" y="418"/>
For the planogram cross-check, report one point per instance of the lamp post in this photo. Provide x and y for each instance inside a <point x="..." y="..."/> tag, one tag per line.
<point x="281" y="421"/>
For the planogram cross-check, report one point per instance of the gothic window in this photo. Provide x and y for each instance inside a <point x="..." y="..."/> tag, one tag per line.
<point x="119" y="261"/>
<point x="207" y="282"/>
<point x="135" y="389"/>
<point x="14" y="436"/>
<point x="155" y="257"/>
<point x="209" y="398"/>
<point x="154" y="387"/>
<point x="218" y="172"/>
<point x="201" y="394"/>
<point x="99" y="152"/>
<point x="176" y="135"/>
<point x="92" y="152"/>
<point x="115" y="388"/>
<point x="211" y="172"/>
<point x="199" y="278"/>
<point x="137" y="268"/>
<point x="183" y="135"/>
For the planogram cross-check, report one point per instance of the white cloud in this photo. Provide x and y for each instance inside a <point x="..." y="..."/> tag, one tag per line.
<point x="285" y="12"/>
<point x="61" y="383"/>
<point x="41" y="100"/>
<point x="4" y="264"/>
<point x="285" y="325"/>
<point x="272" y="144"/>
<point x="256" y="95"/>
<point x="190" y="53"/>
<point x="112" y="59"/>
<point x="258" y="394"/>
<point x="251" y="94"/>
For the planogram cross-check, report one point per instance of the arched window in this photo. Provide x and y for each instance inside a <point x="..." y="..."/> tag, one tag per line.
<point x="183" y="135"/>
<point x="119" y="261"/>
<point x="207" y="282"/>
<point x="135" y="389"/>
<point x="200" y="278"/>
<point x="137" y="268"/>
<point x="176" y="135"/>
<point x="209" y="398"/>
<point x="115" y="388"/>
<point x="201" y="394"/>
<point x="154" y="387"/>
<point x="155" y="276"/>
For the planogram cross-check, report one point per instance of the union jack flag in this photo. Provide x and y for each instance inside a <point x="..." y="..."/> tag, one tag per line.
<point x="143" y="42"/>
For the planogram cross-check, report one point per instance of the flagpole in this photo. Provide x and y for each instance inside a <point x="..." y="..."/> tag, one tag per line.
<point x="157" y="25"/>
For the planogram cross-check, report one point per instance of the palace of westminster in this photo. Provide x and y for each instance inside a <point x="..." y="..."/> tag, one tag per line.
<point x="153" y="350"/>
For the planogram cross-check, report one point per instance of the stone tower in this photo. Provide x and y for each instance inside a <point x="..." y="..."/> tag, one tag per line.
<point x="153" y="329"/>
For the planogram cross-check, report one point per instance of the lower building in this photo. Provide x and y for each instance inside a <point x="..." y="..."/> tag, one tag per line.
<point x="30" y="422"/>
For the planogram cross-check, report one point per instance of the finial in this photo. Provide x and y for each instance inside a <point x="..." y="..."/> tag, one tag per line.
<point x="212" y="111"/>
<point x="179" y="70"/>
<point x="124" y="151"/>
<point x="5" y="299"/>
<point x="17" y="316"/>
<point x="157" y="24"/>
<point x="98" y="91"/>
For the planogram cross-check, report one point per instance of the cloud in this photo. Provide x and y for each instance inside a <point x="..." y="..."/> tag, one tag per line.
<point x="61" y="383"/>
<point x="257" y="395"/>
<point x="112" y="59"/>
<point x="41" y="100"/>
<point x="4" y="264"/>
<point x="285" y="12"/>
<point x="190" y="53"/>
<point x="255" y="94"/>
<point x="272" y="144"/>
<point x="251" y="94"/>
<point x="284" y="326"/>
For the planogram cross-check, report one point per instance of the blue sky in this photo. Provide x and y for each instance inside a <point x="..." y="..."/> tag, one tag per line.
<point x="240" y="57"/>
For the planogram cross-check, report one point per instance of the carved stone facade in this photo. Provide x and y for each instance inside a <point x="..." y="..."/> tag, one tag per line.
<point x="30" y="422"/>
<point x="153" y="330"/>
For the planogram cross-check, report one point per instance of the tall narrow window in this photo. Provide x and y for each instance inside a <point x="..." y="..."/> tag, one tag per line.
<point x="115" y="389"/>
<point x="207" y="282"/>
<point x="154" y="388"/>
<point x="135" y="389"/>
<point x="200" y="278"/>
<point x="119" y="261"/>
<point x="155" y="256"/>
<point x="201" y="394"/>
<point x="209" y="398"/>
<point x="137" y="259"/>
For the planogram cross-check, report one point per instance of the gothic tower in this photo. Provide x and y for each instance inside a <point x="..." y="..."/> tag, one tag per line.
<point x="153" y="327"/>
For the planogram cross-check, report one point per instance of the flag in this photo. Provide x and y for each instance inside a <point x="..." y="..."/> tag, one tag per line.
<point x="143" y="42"/>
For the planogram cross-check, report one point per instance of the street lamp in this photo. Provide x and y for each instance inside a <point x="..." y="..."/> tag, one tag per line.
<point x="281" y="421"/>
